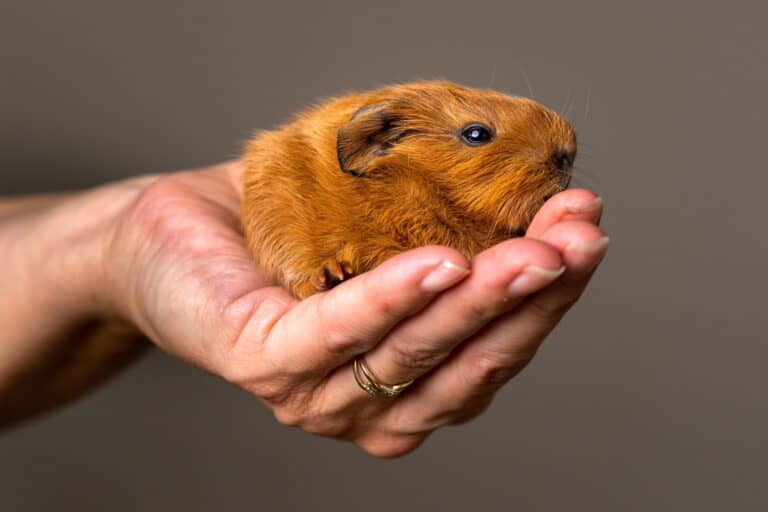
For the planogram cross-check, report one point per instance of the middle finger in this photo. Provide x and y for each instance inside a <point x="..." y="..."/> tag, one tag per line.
<point x="501" y="277"/>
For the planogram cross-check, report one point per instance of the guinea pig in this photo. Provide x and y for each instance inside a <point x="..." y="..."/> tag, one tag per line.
<point x="362" y="177"/>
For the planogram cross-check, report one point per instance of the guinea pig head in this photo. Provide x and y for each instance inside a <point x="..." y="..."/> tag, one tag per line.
<point x="487" y="156"/>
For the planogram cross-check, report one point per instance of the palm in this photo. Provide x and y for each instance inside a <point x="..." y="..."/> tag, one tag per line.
<point x="189" y="223"/>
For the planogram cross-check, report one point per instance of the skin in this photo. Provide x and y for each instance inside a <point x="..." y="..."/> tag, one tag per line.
<point x="166" y="254"/>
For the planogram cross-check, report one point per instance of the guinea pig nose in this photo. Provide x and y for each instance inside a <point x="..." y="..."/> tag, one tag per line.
<point x="563" y="159"/>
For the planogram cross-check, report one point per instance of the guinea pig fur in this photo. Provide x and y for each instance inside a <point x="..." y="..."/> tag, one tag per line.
<point x="359" y="178"/>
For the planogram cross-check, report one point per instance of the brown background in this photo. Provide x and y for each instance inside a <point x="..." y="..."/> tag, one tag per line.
<point x="651" y="395"/>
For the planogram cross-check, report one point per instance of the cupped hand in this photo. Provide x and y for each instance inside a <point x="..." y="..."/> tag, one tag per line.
<point x="179" y="269"/>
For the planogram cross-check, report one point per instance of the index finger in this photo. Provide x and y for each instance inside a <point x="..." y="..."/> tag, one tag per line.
<point x="328" y="329"/>
<point x="572" y="204"/>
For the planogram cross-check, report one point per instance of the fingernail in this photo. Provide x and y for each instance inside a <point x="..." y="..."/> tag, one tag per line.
<point x="446" y="274"/>
<point x="533" y="278"/>
<point x="586" y="206"/>
<point x="594" y="246"/>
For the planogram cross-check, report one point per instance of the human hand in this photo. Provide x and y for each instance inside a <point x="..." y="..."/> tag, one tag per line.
<point x="176" y="266"/>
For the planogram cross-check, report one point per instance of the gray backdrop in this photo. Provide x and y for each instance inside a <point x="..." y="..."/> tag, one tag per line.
<point x="649" y="396"/>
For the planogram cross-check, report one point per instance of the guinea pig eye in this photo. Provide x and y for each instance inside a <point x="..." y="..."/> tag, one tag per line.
<point x="476" y="135"/>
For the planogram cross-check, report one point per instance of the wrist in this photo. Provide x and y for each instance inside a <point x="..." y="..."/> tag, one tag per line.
<point x="57" y="251"/>
<point x="59" y="333"/>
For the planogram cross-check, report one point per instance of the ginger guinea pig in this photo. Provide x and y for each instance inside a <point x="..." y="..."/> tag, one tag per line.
<point x="362" y="177"/>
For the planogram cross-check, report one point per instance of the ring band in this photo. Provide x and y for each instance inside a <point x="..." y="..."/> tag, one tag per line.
<point x="366" y="380"/>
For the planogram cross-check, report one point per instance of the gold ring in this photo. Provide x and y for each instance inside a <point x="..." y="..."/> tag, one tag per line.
<point x="370" y="384"/>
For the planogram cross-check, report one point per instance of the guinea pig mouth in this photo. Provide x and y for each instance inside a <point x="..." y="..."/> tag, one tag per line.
<point x="563" y="180"/>
<point x="564" y="183"/>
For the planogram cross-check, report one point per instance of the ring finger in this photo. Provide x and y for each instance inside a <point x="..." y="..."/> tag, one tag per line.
<point x="501" y="277"/>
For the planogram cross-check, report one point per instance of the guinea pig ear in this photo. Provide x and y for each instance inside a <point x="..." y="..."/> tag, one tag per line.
<point x="366" y="136"/>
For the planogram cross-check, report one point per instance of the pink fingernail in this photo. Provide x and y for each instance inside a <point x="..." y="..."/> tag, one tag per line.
<point x="594" y="246"/>
<point x="445" y="275"/>
<point x="532" y="278"/>
<point x="584" y="207"/>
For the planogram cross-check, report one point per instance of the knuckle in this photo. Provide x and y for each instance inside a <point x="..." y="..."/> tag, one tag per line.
<point x="338" y="341"/>
<point x="477" y="312"/>
<point x="405" y="422"/>
<point x="469" y="413"/>
<point x="492" y="371"/>
<point x="294" y="408"/>
<point x="336" y="338"/>
<point x="383" y="305"/>
<point x="386" y="307"/>
<point x="416" y="357"/>
<point x="274" y="388"/>
<point x="309" y="416"/>
<point x="237" y="358"/>
<point x="390" y="446"/>
<point x="273" y="391"/>
<point x="328" y="426"/>
<point x="288" y="416"/>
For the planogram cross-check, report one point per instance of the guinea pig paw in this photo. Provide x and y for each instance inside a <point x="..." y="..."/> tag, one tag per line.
<point x="332" y="273"/>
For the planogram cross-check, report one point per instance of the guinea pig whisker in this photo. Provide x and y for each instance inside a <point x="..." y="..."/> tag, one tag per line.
<point x="584" y="171"/>
<point x="565" y="104"/>
<point x="510" y="229"/>
<point x="586" y="103"/>
<point x="583" y="181"/>
<point x="527" y="82"/>
<point x="493" y="225"/>
<point x="569" y="108"/>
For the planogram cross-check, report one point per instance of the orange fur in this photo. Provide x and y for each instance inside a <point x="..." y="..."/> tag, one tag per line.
<point x="418" y="183"/>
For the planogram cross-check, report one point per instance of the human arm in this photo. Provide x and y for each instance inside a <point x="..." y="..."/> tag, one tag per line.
<point x="168" y="257"/>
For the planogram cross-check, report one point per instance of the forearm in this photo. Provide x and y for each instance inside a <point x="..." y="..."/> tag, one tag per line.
<point x="58" y="335"/>
<point x="13" y="206"/>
